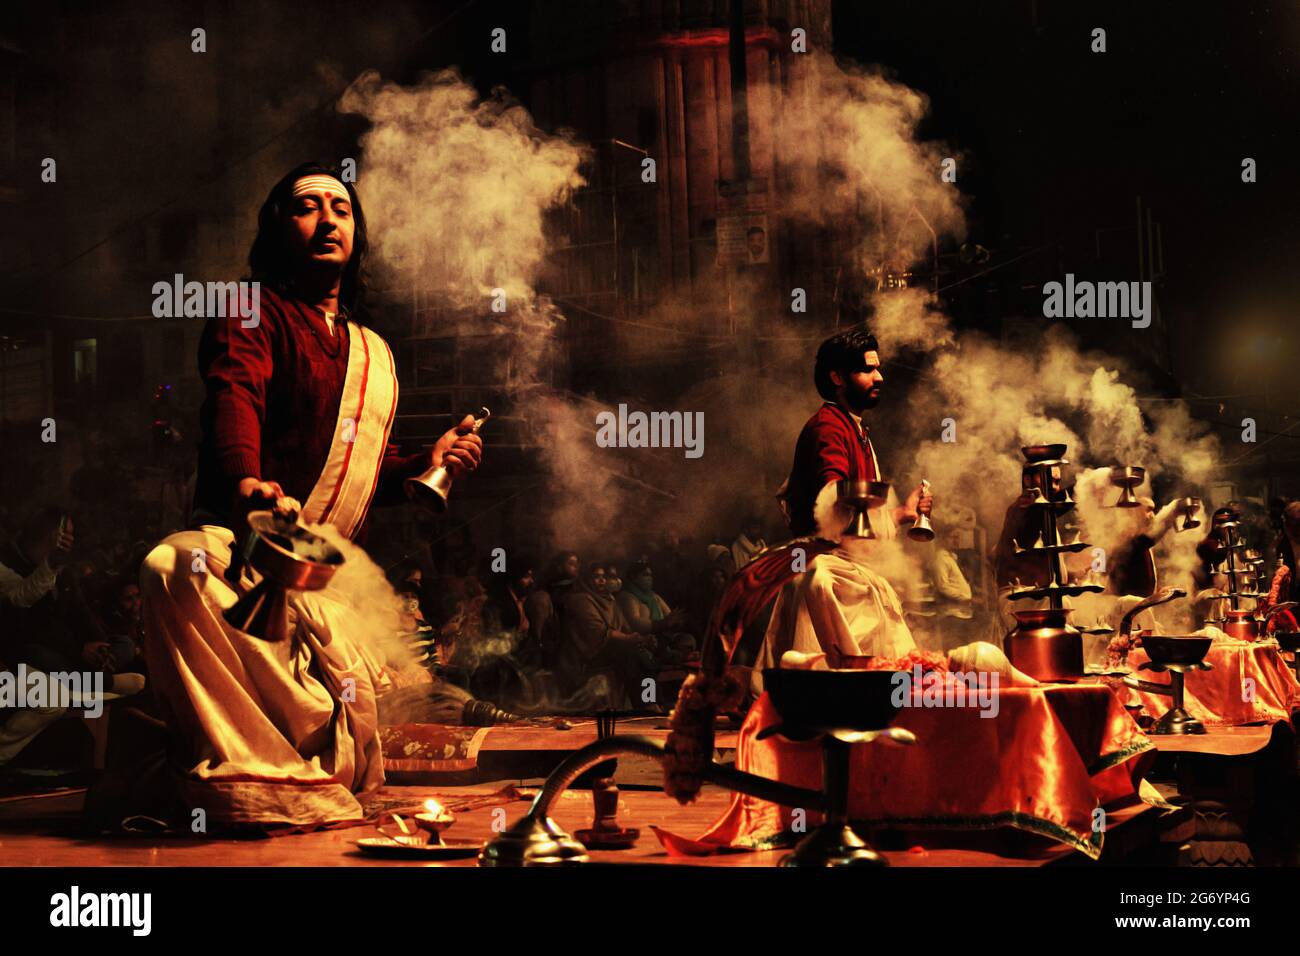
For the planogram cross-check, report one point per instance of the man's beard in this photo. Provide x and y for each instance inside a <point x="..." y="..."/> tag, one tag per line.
<point x="859" y="400"/>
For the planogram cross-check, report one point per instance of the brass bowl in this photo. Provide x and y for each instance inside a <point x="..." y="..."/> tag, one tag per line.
<point x="1043" y="453"/>
<point x="862" y="494"/>
<point x="1044" y="617"/>
<point x="1166" y="649"/>
<point x="290" y="555"/>
<point x="1127" y="476"/>
<point x="832" y="700"/>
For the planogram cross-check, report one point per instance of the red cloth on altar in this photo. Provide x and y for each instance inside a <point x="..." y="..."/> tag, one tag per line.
<point x="830" y="448"/>
<point x="272" y="404"/>
<point x="1216" y="696"/>
<point x="1044" y="764"/>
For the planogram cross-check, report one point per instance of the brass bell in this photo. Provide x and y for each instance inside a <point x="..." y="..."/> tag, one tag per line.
<point x="921" y="529"/>
<point x="431" y="489"/>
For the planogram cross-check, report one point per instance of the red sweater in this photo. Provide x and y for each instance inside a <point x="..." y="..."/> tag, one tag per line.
<point x="272" y="405"/>
<point x="830" y="448"/>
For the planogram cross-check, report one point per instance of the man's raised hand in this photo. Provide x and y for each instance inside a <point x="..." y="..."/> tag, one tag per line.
<point x="460" y="450"/>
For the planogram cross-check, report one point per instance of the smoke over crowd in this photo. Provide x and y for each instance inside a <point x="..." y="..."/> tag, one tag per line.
<point x="458" y="186"/>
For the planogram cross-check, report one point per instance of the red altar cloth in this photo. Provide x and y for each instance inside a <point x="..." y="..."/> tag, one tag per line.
<point x="1049" y="758"/>
<point x="1221" y="696"/>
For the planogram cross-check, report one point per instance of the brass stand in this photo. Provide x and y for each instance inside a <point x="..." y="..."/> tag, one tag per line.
<point x="1176" y="720"/>
<point x="536" y="840"/>
<point x="834" y="843"/>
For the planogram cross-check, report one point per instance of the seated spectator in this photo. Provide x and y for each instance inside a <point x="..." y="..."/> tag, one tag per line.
<point x="648" y="614"/>
<point x="44" y="622"/>
<point x="544" y="606"/>
<point x="748" y="543"/>
<point x="677" y="574"/>
<point x="951" y="588"/>
<point x="120" y="618"/>
<point x="596" y="637"/>
<point x="720" y="556"/>
<point x="613" y="583"/>
<point x="706" y="600"/>
<point x="507" y="594"/>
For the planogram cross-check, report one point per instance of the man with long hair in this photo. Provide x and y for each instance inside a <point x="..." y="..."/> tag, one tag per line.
<point x="298" y="410"/>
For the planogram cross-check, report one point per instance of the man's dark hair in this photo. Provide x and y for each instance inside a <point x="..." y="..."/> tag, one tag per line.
<point x="269" y="258"/>
<point x="841" y="353"/>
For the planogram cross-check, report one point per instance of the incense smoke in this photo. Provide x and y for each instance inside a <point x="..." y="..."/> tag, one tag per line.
<point x="457" y="186"/>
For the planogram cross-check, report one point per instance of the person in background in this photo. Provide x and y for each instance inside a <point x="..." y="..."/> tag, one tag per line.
<point x="1285" y="585"/>
<point x="719" y="556"/>
<point x="122" y="624"/>
<point x="950" y="586"/>
<point x="649" y="615"/>
<point x="748" y="543"/>
<point x="544" y="605"/>
<point x="1132" y="566"/>
<point x="45" y="621"/>
<point x="506" y="609"/>
<point x="706" y="600"/>
<point x="597" y="637"/>
<point x="31" y="560"/>
<point x="678" y="573"/>
<point x="613" y="583"/>
<point x="1282" y="550"/>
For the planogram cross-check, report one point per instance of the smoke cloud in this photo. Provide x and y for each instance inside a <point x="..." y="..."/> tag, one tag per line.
<point x="457" y="186"/>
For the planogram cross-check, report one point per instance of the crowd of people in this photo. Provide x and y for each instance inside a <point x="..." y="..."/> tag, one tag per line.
<point x="578" y="631"/>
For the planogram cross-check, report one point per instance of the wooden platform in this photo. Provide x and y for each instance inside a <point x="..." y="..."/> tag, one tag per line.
<point x="41" y="832"/>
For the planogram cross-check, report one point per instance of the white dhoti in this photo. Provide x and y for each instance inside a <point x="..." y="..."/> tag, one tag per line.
<point x="275" y="732"/>
<point x="282" y="732"/>
<point x="839" y="605"/>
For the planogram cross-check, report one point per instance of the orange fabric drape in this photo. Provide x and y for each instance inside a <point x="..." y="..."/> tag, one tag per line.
<point x="1050" y="757"/>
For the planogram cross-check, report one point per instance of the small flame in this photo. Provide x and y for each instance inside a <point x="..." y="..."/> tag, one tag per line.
<point x="433" y="806"/>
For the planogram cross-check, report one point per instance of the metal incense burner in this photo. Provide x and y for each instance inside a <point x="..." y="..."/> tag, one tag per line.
<point x="605" y="832"/>
<point x="1044" y="644"/>
<point x="1177" y="655"/>
<point x="1240" y="566"/>
<point x="431" y="489"/>
<point x="1187" y="509"/>
<point x="1127" y="478"/>
<point x="861" y="497"/>
<point x="841" y="707"/>
<point x="289" y="558"/>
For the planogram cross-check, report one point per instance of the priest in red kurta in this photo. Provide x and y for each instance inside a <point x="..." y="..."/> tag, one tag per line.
<point x="300" y="403"/>
<point x="841" y="604"/>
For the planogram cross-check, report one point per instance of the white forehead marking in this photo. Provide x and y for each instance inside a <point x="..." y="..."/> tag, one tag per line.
<point x="320" y="183"/>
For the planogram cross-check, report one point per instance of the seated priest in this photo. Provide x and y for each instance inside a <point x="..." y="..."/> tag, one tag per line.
<point x="300" y="396"/>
